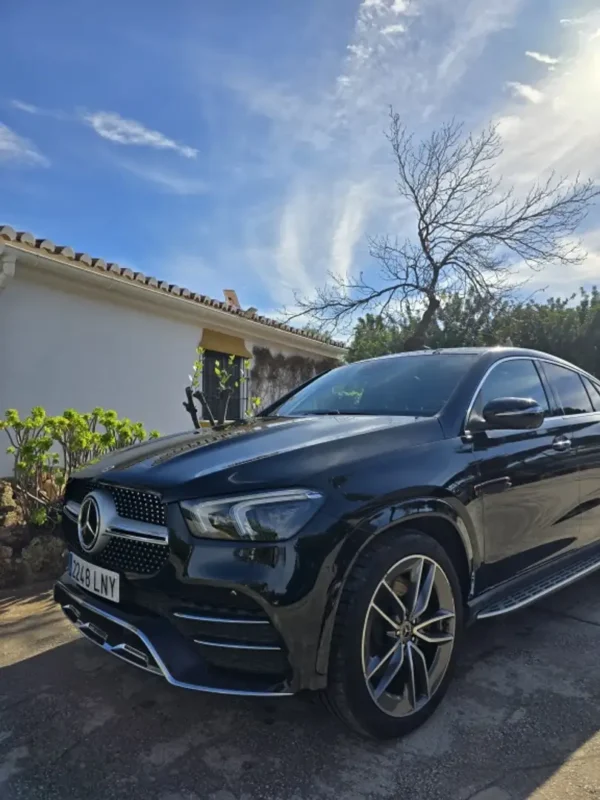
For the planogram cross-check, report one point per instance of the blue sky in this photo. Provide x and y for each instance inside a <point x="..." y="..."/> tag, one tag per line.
<point x="239" y="144"/>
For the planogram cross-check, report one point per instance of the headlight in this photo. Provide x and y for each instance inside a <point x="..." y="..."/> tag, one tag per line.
<point x="266" y="517"/>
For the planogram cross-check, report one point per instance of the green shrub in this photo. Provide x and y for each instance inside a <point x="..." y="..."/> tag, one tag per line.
<point x="47" y="450"/>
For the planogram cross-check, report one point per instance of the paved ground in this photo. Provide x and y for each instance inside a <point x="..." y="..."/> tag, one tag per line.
<point x="522" y="720"/>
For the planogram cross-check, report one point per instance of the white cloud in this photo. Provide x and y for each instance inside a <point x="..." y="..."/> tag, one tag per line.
<point x="359" y="51"/>
<point x="562" y="133"/>
<point x="14" y="149"/>
<point x="473" y="23"/>
<point x="289" y="257"/>
<point x="166" y="180"/>
<point x="28" y="108"/>
<point x="325" y="141"/>
<point x="556" y="280"/>
<point x="384" y="6"/>
<point x="348" y="229"/>
<point x="542" y="57"/>
<point x="526" y="92"/>
<point x="391" y="29"/>
<point x="115" y="128"/>
<point x="575" y="21"/>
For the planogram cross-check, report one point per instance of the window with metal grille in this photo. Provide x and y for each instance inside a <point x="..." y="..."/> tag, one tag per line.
<point x="210" y="384"/>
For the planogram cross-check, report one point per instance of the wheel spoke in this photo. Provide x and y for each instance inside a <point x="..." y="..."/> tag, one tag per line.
<point x="434" y="637"/>
<point x="411" y="686"/>
<point x="397" y="599"/>
<point x="380" y="662"/>
<point x="408" y="635"/>
<point x="423" y="587"/>
<point x="392" y="670"/>
<point x="418" y="675"/>
<point x="390" y="621"/>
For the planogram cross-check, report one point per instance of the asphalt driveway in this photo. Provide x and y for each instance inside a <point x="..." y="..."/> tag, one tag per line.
<point x="522" y="720"/>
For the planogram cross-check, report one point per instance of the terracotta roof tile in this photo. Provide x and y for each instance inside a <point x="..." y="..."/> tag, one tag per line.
<point x="46" y="245"/>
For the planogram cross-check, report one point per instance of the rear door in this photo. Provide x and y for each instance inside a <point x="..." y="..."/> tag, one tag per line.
<point x="527" y="479"/>
<point x="578" y="399"/>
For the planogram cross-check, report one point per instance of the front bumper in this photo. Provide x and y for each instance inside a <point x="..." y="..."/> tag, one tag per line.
<point x="154" y="644"/>
<point x="239" y="617"/>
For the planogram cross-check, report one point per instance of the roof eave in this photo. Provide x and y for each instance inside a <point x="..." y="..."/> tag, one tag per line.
<point x="202" y="312"/>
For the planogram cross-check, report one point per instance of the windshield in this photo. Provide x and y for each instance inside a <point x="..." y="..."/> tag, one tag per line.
<point x="416" y="386"/>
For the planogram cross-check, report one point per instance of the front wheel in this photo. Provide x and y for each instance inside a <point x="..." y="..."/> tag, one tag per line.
<point x="395" y="636"/>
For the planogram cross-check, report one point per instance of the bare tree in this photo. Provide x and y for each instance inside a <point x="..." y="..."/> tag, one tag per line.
<point x="471" y="231"/>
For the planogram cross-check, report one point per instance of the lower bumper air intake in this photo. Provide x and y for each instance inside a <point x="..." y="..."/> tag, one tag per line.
<point x="153" y="644"/>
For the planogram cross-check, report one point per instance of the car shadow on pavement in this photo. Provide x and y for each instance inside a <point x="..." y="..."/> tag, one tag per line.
<point x="521" y="720"/>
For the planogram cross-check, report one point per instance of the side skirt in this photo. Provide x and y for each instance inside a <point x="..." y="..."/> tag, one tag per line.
<point x="534" y="584"/>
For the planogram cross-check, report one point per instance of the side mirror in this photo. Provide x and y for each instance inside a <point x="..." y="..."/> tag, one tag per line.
<point x="513" y="413"/>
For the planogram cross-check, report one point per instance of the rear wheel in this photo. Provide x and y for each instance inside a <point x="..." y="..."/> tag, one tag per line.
<point x="395" y="637"/>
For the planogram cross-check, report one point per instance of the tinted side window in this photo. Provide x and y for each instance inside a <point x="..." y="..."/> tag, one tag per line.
<point x="569" y="389"/>
<point x="512" y="379"/>
<point x="594" y="393"/>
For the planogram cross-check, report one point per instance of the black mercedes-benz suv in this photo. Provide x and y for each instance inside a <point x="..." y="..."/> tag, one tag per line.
<point x="341" y="541"/>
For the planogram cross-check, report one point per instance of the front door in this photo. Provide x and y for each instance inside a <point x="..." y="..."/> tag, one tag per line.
<point x="527" y="479"/>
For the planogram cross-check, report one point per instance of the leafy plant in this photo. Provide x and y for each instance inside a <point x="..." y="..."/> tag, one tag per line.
<point x="567" y="327"/>
<point x="226" y="385"/>
<point x="47" y="450"/>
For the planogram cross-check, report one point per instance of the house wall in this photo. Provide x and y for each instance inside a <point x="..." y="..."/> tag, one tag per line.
<point x="63" y="345"/>
<point x="275" y="371"/>
<point x="60" y="348"/>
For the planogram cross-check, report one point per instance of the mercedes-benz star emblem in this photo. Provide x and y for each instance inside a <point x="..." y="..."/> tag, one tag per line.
<point x="89" y="525"/>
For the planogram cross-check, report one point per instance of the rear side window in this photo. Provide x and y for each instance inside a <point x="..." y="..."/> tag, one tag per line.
<point x="594" y="393"/>
<point x="569" y="390"/>
<point x="517" y="378"/>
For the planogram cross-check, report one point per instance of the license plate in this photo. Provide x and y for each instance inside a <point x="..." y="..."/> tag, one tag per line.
<point x="102" y="582"/>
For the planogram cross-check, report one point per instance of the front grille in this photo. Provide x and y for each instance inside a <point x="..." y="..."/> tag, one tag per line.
<point x="121" y="552"/>
<point x="130" y="503"/>
<point x="129" y="555"/>
<point x="141" y="506"/>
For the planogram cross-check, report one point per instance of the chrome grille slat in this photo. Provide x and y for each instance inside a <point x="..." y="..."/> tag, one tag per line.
<point x="237" y="645"/>
<point x="226" y="620"/>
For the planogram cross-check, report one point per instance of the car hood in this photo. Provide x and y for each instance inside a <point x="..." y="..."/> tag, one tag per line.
<point x="181" y="460"/>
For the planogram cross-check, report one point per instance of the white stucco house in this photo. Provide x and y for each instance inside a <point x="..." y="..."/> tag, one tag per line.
<point x="78" y="332"/>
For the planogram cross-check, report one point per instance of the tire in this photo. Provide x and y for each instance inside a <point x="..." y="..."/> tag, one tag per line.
<point x="360" y="639"/>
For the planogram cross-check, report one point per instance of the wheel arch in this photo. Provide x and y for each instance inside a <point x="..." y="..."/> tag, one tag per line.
<point x="440" y="518"/>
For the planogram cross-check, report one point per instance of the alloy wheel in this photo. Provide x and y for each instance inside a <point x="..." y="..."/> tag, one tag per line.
<point x="408" y="635"/>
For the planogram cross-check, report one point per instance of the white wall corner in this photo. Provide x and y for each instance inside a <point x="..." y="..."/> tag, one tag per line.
<point x="8" y="260"/>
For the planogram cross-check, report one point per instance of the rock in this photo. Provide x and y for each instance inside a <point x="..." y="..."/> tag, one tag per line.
<point x="10" y="514"/>
<point x="5" y="553"/>
<point x="15" y="536"/>
<point x="6" y="494"/>
<point x="9" y="570"/>
<point x="44" y="556"/>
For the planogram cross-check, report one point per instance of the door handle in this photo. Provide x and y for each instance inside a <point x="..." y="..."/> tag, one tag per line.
<point x="561" y="443"/>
